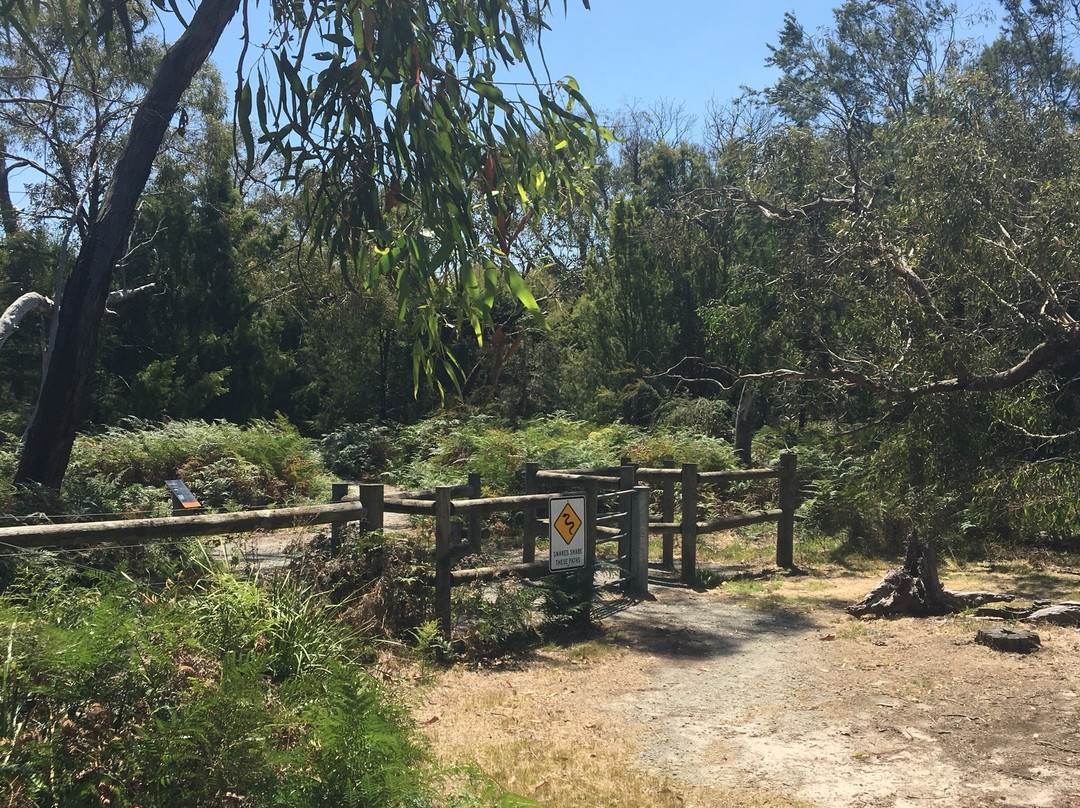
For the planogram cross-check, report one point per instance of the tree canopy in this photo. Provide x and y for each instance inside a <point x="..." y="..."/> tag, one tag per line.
<point x="879" y="246"/>
<point x="387" y="120"/>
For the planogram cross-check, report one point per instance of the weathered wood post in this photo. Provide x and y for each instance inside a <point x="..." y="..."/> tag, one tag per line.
<point x="528" y="552"/>
<point x="689" y="523"/>
<point x="592" y="493"/>
<point x="338" y="492"/>
<point x="789" y="497"/>
<point x="667" y="514"/>
<point x="443" y="582"/>
<point x="627" y="481"/>
<point x="639" y="542"/>
<point x="476" y="520"/>
<point x="371" y="497"/>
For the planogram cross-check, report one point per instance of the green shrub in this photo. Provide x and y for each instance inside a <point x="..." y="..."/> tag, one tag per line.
<point x="567" y="598"/>
<point x="123" y="469"/>
<point x="489" y="618"/>
<point x="384" y="583"/>
<point x="949" y="470"/>
<point x="359" y="451"/>
<point x="444" y="450"/>
<point x="197" y="695"/>
<point x="710" y="417"/>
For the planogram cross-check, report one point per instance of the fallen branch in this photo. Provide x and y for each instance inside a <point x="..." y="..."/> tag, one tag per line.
<point x="1066" y="613"/>
<point x="27" y="304"/>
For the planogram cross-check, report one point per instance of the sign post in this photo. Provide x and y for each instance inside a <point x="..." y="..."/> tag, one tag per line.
<point x="184" y="502"/>
<point x="566" y="537"/>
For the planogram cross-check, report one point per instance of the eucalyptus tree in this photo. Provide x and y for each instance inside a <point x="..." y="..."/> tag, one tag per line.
<point x="383" y="115"/>
<point x="917" y="199"/>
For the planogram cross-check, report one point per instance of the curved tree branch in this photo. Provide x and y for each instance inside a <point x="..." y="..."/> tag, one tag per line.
<point x="30" y="303"/>
<point x="35" y="303"/>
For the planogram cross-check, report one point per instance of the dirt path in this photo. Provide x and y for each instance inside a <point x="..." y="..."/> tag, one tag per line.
<point x="773" y="696"/>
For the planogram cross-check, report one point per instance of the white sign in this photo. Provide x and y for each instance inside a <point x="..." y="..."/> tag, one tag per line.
<point x="566" y="534"/>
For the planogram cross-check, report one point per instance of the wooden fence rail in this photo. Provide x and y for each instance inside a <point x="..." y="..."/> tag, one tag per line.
<point x="689" y="481"/>
<point x="459" y="513"/>
<point x="136" y="531"/>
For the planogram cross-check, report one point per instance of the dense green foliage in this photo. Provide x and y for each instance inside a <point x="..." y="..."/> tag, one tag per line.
<point x="208" y="690"/>
<point x="881" y="246"/>
<point x="441" y="451"/>
<point x="122" y="470"/>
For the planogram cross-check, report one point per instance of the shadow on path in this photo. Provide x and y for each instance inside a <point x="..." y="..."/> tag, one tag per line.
<point x="682" y="624"/>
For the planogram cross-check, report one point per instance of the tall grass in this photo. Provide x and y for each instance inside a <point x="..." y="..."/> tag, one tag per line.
<point x="209" y="693"/>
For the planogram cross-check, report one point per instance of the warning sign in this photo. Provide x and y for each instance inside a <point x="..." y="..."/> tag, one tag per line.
<point x="568" y="523"/>
<point x="566" y="515"/>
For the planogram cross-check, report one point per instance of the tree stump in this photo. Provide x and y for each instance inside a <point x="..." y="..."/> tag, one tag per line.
<point x="1012" y="640"/>
<point x="914" y="590"/>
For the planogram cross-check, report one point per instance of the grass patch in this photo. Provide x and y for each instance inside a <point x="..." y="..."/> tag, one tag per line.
<point x="592" y="651"/>
<point x="771" y="602"/>
<point x="747" y="586"/>
<point x="208" y="690"/>
<point x="853" y="630"/>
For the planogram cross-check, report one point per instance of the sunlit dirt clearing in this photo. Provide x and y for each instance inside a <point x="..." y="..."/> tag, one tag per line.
<point x="763" y="692"/>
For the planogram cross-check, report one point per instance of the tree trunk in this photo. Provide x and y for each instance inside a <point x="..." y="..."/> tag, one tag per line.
<point x="8" y="215"/>
<point x="744" y="424"/>
<point x="914" y="589"/>
<point x="51" y="432"/>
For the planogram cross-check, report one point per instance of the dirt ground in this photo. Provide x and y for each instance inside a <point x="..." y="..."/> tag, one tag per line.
<point x="764" y="692"/>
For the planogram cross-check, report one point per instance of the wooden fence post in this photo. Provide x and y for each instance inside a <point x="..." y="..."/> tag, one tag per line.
<point x="592" y="492"/>
<point x="689" y="523"/>
<point x="667" y="514"/>
<point x="476" y="520"/>
<point x="371" y="497"/>
<point x="788" y="500"/>
<point x="338" y="492"/>
<point x="627" y="481"/>
<point x="639" y="542"/>
<point x="528" y="552"/>
<point x="443" y="581"/>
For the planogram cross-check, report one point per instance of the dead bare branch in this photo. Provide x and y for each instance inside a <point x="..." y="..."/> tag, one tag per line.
<point x="30" y="303"/>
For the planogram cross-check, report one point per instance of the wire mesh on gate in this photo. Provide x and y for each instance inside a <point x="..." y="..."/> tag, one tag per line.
<point x="611" y="510"/>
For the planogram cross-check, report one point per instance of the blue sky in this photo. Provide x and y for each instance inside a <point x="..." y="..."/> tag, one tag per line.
<point x="689" y="51"/>
<point x="686" y="51"/>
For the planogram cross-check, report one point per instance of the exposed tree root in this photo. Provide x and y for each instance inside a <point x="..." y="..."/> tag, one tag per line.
<point x="1066" y="613"/>
<point x="914" y="589"/>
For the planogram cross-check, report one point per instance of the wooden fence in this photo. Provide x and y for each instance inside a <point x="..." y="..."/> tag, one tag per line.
<point x="459" y="533"/>
<point x="689" y="481"/>
<point x="459" y="511"/>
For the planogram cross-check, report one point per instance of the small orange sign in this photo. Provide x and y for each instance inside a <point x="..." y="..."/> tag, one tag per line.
<point x="567" y="523"/>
